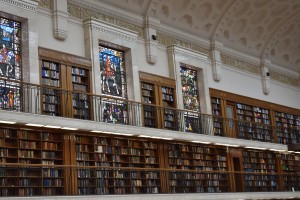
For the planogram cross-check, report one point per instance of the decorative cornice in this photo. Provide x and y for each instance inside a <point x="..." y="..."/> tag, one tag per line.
<point x="45" y="4"/>
<point x="83" y="13"/>
<point x="179" y="50"/>
<point x="168" y="41"/>
<point x="284" y="79"/>
<point x="30" y="5"/>
<point x="111" y="29"/>
<point x="239" y="64"/>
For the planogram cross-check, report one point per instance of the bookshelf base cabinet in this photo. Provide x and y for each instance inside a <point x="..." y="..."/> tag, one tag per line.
<point x="36" y="162"/>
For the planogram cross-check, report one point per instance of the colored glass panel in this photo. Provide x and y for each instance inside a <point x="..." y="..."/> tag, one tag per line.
<point x="189" y="89"/>
<point x="10" y="64"/>
<point x="112" y="69"/>
<point x="10" y="53"/>
<point x="114" y="111"/>
<point x="10" y="96"/>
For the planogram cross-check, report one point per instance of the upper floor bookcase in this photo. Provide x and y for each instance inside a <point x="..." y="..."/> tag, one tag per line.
<point x="158" y="94"/>
<point x="66" y="83"/>
<point x="247" y="118"/>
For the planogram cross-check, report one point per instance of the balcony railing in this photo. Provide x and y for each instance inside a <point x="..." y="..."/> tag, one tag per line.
<point x="47" y="100"/>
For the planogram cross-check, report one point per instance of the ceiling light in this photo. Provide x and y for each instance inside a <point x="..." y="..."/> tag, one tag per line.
<point x="7" y="122"/>
<point x="260" y="148"/>
<point x="50" y="126"/>
<point x="127" y="134"/>
<point x="297" y="151"/>
<point x="291" y="151"/>
<point x="113" y="133"/>
<point x="69" y="128"/>
<point x="36" y="125"/>
<point x="156" y="137"/>
<point x="144" y="136"/>
<point x="167" y="138"/>
<point x="96" y="131"/>
<point x="228" y="145"/>
<point x="195" y="141"/>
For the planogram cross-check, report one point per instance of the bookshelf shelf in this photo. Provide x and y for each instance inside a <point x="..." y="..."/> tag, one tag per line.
<point x="109" y="152"/>
<point x="28" y="147"/>
<point x="255" y="162"/>
<point x="202" y="158"/>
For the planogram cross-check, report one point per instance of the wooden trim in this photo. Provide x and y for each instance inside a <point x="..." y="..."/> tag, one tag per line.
<point x="252" y="101"/>
<point x="64" y="58"/>
<point x="157" y="80"/>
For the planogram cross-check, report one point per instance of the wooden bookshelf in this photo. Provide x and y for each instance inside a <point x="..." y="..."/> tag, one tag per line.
<point x="284" y="123"/>
<point x="289" y="168"/>
<point x="256" y="119"/>
<point x="197" y="158"/>
<point x="255" y="162"/>
<point x="158" y="94"/>
<point x="51" y="98"/>
<point x="149" y="112"/>
<point x="31" y="147"/>
<point x="65" y="84"/>
<point x="218" y="121"/>
<point x="81" y="101"/>
<point x="113" y="152"/>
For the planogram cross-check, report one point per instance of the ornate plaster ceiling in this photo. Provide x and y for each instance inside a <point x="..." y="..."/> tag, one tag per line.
<point x="262" y="28"/>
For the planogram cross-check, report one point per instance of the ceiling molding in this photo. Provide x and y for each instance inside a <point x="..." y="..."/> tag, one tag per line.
<point x="289" y="17"/>
<point x="215" y="28"/>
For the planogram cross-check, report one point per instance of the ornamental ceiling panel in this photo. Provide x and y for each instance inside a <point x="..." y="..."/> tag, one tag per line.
<point x="262" y="28"/>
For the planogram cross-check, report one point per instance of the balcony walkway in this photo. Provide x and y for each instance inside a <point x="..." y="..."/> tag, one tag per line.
<point x="187" y="196"/>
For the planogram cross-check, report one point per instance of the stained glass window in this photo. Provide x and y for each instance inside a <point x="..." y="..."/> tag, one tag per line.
<point x="189" y="89"/>
<point x="112" y="68"/>
<point x="190" y="99"/>
<point x="10" y="64"/>
<point x="113" y="83"/>
<point x="10" y="42"/>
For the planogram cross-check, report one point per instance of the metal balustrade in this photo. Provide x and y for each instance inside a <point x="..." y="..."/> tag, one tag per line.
<point x="47" y="100"/>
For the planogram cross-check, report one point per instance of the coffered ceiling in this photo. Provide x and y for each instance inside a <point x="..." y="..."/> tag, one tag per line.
<point x="261" y="28"/>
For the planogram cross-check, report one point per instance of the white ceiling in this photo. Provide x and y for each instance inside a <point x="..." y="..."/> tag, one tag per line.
<point x="261" y="28"/>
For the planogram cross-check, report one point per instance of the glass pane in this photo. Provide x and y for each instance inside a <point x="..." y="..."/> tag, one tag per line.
<point x="190" y="89"/>
<point x="10" y="59"/>
<point x="112" y="72"/>
<point x="114" y="111"/>
<point x="10" y="96"/>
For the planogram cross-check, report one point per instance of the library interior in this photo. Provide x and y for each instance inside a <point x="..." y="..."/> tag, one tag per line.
<point x="175" y="99"/>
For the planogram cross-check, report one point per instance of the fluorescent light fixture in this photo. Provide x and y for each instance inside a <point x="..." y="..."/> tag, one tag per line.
<point x="291" y="151"/>
<point x="144" y="136"/>
<point x="107" y="132"/>
<point x="297" y="152"/>
<point x="167" y="138"/>
<point x="50" y="126"/>
<point x="7" y="122"/>
<point x="69" y="128"/>
<point x="96" y="131"/>
<point x="128" y="134"/>
<point x="156" y="137"/>
<point x="260" y="148"/>
<point x="273" y="149"/>
<point x="195" y="141"/>
<point x="36" y="125"/>
<point x="228" y="145"/>
<point x="113" y="133"/>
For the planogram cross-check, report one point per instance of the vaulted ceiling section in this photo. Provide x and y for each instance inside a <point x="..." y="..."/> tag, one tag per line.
<point x="267" y="29"/>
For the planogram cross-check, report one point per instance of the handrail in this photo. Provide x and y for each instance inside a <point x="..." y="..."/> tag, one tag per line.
<point x="203" y="123"/>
